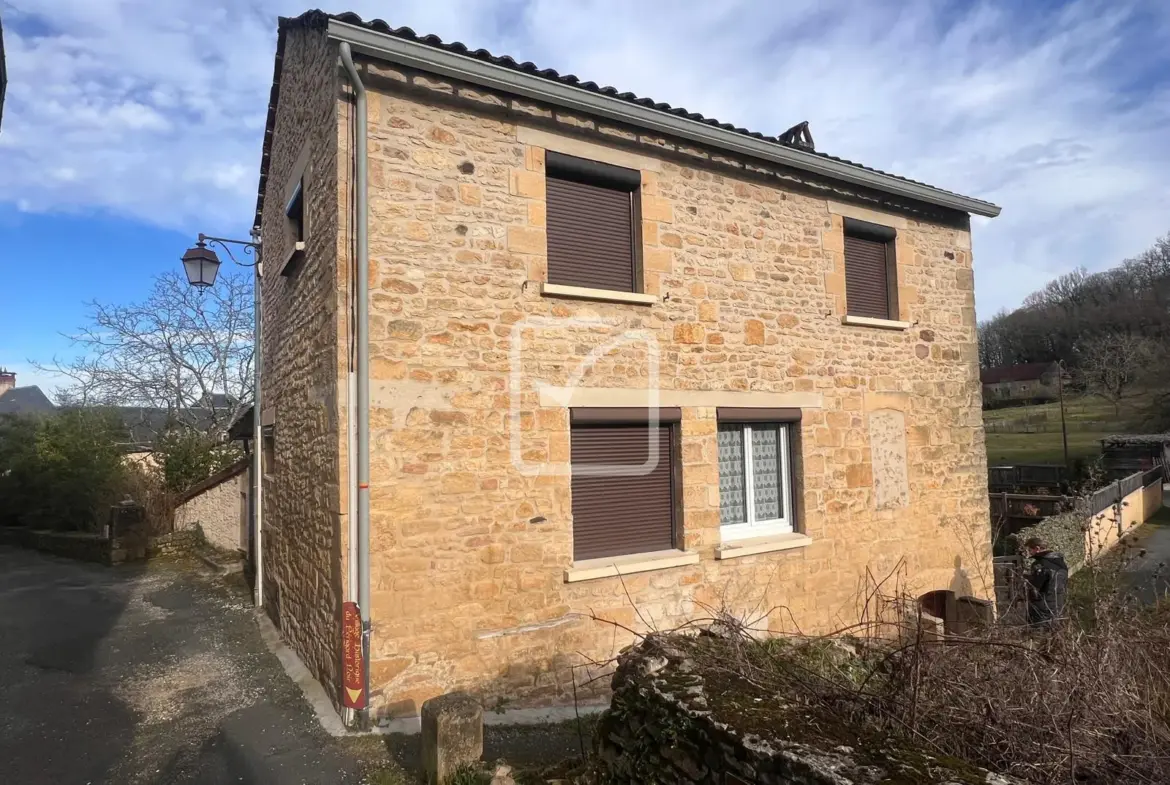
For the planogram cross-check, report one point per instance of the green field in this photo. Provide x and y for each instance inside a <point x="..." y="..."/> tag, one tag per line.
<point x="1031" y="434"/>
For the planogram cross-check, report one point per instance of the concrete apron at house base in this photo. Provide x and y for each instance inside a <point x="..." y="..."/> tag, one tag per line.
<point x="470" y="551"/>
<point x="331" y="721"/>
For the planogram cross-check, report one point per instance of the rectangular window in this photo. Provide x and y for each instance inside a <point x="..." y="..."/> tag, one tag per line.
<point x="871" y="279"/>
<point x="755" y="479"/>
<point x="624" y="483"/>
<point x="268" y="456"/>
<point x="593" y="219"/>
<point x="295" y="212"/>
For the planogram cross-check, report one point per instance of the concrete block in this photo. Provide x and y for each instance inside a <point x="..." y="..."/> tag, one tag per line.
<point x="452" y="735"/>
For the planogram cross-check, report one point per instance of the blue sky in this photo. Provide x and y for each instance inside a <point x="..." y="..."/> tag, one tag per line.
<point x="131" y="125"/>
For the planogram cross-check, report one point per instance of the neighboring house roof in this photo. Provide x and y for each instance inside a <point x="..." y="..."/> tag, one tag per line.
<point x="219" y="478"/>
<point x="146" y="424"/>
<point x="403" y="44"/>
<point x="1136" y="440"/>
<point x="26" y="400"/>
<point x="243" y="428"/>
<point x="1025" y="372"/>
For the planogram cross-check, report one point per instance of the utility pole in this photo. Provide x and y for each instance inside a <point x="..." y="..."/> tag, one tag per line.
<point x="1063" y="427"/>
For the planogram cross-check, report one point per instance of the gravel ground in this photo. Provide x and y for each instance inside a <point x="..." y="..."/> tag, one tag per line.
<point x="151" y="674"/>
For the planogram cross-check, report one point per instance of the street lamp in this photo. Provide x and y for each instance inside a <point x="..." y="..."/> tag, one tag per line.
<point x="201" y="265"/>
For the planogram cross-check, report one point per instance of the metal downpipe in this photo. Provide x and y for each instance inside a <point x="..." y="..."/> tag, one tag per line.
<point x="361" y="338"/>
<point x="257" y="427"/>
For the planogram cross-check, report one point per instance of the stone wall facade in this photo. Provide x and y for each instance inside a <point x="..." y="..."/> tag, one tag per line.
<point x="219" y="510"/>
<point x="474" y="371"/>
<point x="302" y="520"/>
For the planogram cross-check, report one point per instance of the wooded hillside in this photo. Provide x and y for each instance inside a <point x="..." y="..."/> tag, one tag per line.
<point x="1063" y="320"/>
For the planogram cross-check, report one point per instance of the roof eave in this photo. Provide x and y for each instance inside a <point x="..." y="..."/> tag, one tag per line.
<point x="427" y="58"/>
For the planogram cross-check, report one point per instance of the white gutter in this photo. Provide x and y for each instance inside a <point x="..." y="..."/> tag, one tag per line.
<point x="432" y="60"/>
<point x="257" y="424"/>
<point x="362" y="364"/>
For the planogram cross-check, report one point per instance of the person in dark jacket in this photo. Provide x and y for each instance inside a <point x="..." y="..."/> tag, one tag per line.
<point x="1047" y="583"/>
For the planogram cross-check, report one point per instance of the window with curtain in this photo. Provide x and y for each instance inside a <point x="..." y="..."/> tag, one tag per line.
<point x="755" y="483"/>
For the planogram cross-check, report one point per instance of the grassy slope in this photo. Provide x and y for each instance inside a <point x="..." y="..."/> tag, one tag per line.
<point x="1089" y="419"/>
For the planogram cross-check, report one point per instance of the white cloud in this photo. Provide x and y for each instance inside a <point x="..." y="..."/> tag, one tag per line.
<point x="155" y="109"/>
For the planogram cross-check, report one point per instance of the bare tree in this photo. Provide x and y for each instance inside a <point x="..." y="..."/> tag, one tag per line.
<point x="182" y="351"/>
<point x="1110" y="365"/>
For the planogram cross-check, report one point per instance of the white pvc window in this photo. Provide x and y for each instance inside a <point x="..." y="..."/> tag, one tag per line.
<point x="755" y="483"/>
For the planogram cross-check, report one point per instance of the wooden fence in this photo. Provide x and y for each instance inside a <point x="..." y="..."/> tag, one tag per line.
<point x="1020" y="476"/>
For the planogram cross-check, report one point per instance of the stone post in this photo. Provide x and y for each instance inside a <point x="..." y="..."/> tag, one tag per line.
<point x="452" y="735"/>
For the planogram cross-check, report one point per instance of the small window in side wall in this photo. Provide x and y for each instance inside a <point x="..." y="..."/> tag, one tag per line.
<point x="625" y="484"/>
<point x="295" y="212"/>
<point x="871" y="271"/>
<point x="297" y="230"/>
<point x="594" y="224"/>
<point x="755" y="479"/>
<point x="268" y="456"/>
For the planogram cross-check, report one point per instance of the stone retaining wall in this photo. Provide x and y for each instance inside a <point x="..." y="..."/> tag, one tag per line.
<point x="85" y="546"/>
<point x="660" y="729"/>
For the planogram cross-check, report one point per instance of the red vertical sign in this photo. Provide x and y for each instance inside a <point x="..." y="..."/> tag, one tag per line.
<point x="353" y="677"/>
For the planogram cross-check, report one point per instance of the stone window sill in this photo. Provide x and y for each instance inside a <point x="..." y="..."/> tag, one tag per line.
<point x="881" y="324"/>
<point x="602" y="295"/>
<point x="754" y="545"/>
<point x="294" y="255"/>
<point x="612" y="566"/>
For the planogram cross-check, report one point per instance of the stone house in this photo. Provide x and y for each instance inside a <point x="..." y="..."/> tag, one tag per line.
<point x="1020" y="383"/>
<point x="629" y="368"/>
<point x="29" y="400"/>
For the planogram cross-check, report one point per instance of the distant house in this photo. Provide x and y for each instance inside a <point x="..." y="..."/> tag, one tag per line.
<point x="1020" y="383"/>
<point x="21" y="400"/>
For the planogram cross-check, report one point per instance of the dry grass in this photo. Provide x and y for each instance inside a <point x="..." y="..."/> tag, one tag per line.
<point x="1076" y="704"/>
<point x="1085" y="702"/>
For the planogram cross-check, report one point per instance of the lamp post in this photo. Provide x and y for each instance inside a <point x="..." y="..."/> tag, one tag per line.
<point x="201" y="264"/>
<point x="1063" y="427"/>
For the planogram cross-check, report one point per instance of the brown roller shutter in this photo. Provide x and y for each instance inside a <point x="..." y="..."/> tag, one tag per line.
<point x="618" y="515"/>
<point x="590" y="235"/>
<point x="616" y="415"/>
<point x="762" y="414"/>
<point x="867" y="283"/>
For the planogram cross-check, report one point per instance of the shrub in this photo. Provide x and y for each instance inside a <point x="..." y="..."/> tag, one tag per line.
<point x="187" y="457"/>
<point x="61" y="472"/>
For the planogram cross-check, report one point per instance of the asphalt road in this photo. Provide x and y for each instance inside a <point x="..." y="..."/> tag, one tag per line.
<point x="146" y="675"/>
<point x="1147" y="570"/>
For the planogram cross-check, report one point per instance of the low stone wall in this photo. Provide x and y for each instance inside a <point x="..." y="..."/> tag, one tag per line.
<point x="217" y="507"/>
<point x="84" y="546"/>
<point x="660" y="728"/>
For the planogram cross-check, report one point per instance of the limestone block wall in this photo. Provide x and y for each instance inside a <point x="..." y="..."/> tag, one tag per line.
<point x="220" y="512"/>
<point x="473" y="373"/>
<point x="302" y="505"/>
